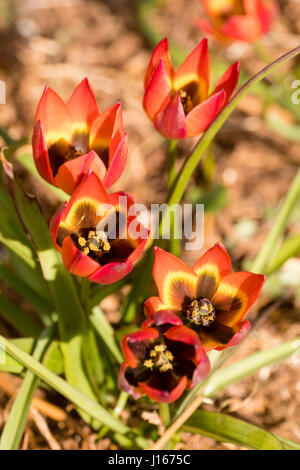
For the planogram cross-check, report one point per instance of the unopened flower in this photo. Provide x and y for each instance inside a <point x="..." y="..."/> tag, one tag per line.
<point x="243" y="20"/>
<point x="208" y="298"/>
<point x="180" y="103"/>
<point x="71" y="138"/>
<point x="162" y="359"/>
<point x="95" y="235"/>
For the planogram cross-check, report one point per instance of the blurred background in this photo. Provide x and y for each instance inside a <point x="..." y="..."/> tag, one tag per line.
<point x="254" y="158"/>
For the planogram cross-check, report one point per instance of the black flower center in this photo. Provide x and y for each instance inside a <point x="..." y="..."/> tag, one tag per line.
<point x="201" y="312"/>
<point x="189" y="96"/>
<point x="159" y="358"/>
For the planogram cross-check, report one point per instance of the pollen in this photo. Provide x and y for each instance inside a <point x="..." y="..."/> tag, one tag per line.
<point x="148" y="363"/>
<point x="186" y="101"/>
<point x="201" y="312"/>
<point x="161" y="358"/>
<point x="96" y="242"/>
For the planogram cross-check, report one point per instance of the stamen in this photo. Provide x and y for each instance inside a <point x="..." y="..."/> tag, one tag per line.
<point x="186" y="101"/>
<point x="162" y="358"/>
<point x="96" y="242"/>
<point x="201" y="312"/>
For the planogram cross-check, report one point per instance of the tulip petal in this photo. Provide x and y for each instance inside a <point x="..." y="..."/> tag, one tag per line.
<point x="118" y="163"/>
<point x="72" y="172"/>
<point x="242" y="330"/>
<point x="82" y="105"/>
<point x="134" y="344"/>
<point x="217" y="336"/>
<point x="111" y="272"/>
<point x="174" y="279"/>
<point x="171" y="121"/>
<point x="195" y="68"/>
<point x="242" y="28"/>
<point x="157" y="94"/>
<point x="124" y="385"/>
<point x="162" y="51"/>
<point x="75" y="261"/>
<point x="210" y="269"/>
<point x="202" y="115"/>
<point x="54" y="223"/>
<point x="54" y="116"/>
<point x="235" y="295"/>
<point x="40" y="153"/>
<point x="163" y="396"/>
<point x="163" y="317"/>
<point x="228" y="81"/>
<point x="152" y="305"/>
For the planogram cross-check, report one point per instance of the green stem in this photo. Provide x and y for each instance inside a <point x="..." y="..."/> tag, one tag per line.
<point x="85" y="290"/>
<point x="268" y="249"/>
<point x="164" y="412"/>
<point x="172" y="156"/>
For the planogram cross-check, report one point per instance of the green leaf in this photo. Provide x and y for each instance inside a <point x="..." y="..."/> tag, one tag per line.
<point x="17" y="318"/>
<point x="81" y="400"/>
<point x="13" y="430"/>
<point x="221" y="378"/>
<point x="106" y="332"/>
<point x="42" y="306"/>
<point x="289" y="248"/>
<point x="8" y="364"/>
<point x="292" y="132"/>
<point x="225" y="428"/>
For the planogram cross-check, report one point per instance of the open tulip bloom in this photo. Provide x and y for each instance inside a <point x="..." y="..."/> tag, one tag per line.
<point x="71" y="138"/>
<point x="179" y="103"/>
<point x="243" y="20"/>
<point x="162" y="359"/>
<point x="82" y="231"/>
<point x="209" y="298"/>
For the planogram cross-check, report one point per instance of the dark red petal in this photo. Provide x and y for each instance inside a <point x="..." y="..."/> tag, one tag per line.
<point x="163" y="396"/>
<point x="171" y="121"/>
<point x="40" y="153"/>
<point x="111" y="272"/>
<point x="242" y="331"/>
<point x="163" y="317"/>
<point x="124" y="385"/>
<point x="142" y="335"/>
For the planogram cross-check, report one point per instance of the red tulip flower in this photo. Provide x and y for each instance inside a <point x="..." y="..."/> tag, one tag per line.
<point x="71" y="138"/>
<point x="179" y="103"/>
<point x="82" y="231"/>
<point x="243" y="20"/>
<point x="162" y="359"/>
<point x="209" y="298"/>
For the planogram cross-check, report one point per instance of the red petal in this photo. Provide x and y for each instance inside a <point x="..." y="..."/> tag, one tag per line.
<point x="118" y="163"/>
<point x="111" y="272"/>
<point x="235" y="295"/>
<point x="174" y="279"/>
<point x="195" y="68"/>
<point x="139" y="336"/>
<point x="162" y="318"/>
<point x="40" y="153"/>
<point x="228" y="81"/>
<point x="71" y="173"/>
<point x="152" y="305"/>
<point x="243" y="28"/>
<point x="54" y="115"/>
<point x="211" y="268"/>
<point x="266" y="12"/>
<point x="171" y="121"/>
<point x="157" y="93"/>
<point x="124" y="385"/>
<point x="107" y="129"/>
<point x="161" y="395"/>
<point x="204" y="113"/>
<point x="76" y="261"/>
<point x="162" y="51"/>
<point x="54" y="223"/>
<point x="82" y="104"/>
